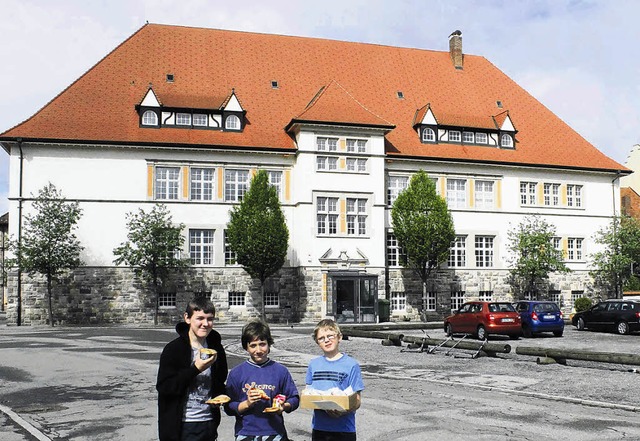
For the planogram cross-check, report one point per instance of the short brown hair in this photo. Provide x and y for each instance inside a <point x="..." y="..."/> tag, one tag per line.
<point x="200" y="304"/>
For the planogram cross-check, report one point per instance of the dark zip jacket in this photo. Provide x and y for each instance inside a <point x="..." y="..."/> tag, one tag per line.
<point x="175" y="374"/>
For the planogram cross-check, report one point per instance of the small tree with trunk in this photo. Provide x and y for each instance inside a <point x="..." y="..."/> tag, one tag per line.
<point x="48" y="245"/>
<point x="533" y="256"/>
<point x="615" y="265"/>
<point x="257" y="231"/>
<point x="423" y="227"/>
<point x="152" y="249"/>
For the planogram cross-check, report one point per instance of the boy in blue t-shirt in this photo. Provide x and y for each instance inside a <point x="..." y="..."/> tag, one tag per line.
<point x="333" y="369"/>
<point x="260" y="389"/>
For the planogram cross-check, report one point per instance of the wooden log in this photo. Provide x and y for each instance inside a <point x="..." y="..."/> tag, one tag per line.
<point x="549" y="360"/>
<point x="371" y="334"/>
<point x="466" y="344"/>
<point x="572" y="354"/>
<point x="392" y="326"/>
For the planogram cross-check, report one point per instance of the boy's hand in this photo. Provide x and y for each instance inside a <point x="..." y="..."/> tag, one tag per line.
<point x="201" y="365"/>
<point x="336" y="413"/>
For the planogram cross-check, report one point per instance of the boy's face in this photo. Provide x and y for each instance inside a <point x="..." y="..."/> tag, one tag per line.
<point x="200" y="323"/>
<point x="328" y="340"/>
<point x="258" y="350"/>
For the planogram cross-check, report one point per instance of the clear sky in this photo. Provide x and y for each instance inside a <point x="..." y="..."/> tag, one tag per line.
<point x="580" y="58"/>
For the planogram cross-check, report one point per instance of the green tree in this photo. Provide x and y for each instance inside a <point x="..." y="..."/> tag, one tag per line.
<point x="533" y="256"/>
<point x="152" y="249"/>
<point x="423" y="226"/>
<point x="613" y="267"/>
<point x="257" y="231"/>
<point x="49" y="245"/>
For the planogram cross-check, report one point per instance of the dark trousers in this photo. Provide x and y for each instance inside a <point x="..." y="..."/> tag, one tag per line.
<point x="321" y="435"/>
<point x="204" y="431"/>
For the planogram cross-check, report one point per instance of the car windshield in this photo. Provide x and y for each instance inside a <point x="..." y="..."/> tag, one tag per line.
<point x="501" y="307"/>
<point x="545" y="307"/>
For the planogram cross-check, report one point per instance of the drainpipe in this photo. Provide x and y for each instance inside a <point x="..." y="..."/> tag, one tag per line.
<point x="618" y="286"/>
<point x="20" y="234"/>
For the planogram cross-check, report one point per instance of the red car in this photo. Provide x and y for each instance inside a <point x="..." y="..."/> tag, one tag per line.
<point x="484" y="318"/>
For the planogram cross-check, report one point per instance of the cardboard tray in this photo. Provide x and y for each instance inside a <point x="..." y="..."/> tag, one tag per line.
<point x="346" y="402"/>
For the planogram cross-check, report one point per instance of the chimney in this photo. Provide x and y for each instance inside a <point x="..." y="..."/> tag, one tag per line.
<point x="455" y="49"/>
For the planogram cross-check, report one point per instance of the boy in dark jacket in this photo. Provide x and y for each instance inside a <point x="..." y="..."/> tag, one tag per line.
<point x="187" y="378"/>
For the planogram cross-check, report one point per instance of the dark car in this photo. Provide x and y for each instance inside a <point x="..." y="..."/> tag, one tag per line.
<point x="539" y="316"/>
<point x="484" y="318"/>
<point x="622" y="316"/>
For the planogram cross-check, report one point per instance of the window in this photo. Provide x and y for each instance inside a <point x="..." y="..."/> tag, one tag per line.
<point x="183" y="119"/>
<point x="321" y="163"/>
<point x="456" y="193"/>
<point x="333" y="163"/>
<point x="351" y="164"/>
<point x="457" y="300"/>
<point x="556" y="297"/>
<point x="236" y="298"/>
<point x="556" y="242"/>
<point x="167" y="300"/>
<point x="201" y="247"/>
<point x="167" y="182"/>
<point x="481" y="138"/>
<point x="528" y="193"/>
<point x="362" y="146"/>
<point x="394" y="251"/>
<point x="321" y="144"/>
<point x="506" y="141"/>
<point x="457" y="255"/>
<point x="429" y="301"/>
<point x="149" y="118"/>
<point x="484" y="251"/>
<point x="428" y="135"/>
<point x="467" y="137"/>
<point x="574" y="248"/>
<point x="232" y="122"/>
<point x="551" y="194"/>
<point x="275" y="180"/>
<point x="356" y="216"/>
<point x="199" y="119"/>
<point x="327" y="215"/>
<point x="235" y="184"/>
<point x="574" y="195"/>
<point x="395" y="185"/>
<point x="271" y="299"/>
<point x="398" y="301"/>
<point x="351" y="145"/>
<point x="202" y="294"/>
<point x="332" y="144"/>
<point x="230" y="257"/>
<point x="356" y="165"/>
<point x="483" y="194"/>
<point x="575" y="295"/>
<point x="485" y="296"/>
<point x="454" y="136"/>
<point x="202" y="184"/>
<point x="362" y="165"/>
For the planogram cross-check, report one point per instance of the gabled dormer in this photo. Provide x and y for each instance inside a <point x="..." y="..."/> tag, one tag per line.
<point x="171" y="109"/>
<point x="444" y="128"/>
<point x="232" y="113"/>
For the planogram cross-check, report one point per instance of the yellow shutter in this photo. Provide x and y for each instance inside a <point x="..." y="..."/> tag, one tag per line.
<point x="287" y="185"/>
<point x="540" y="191"/>
<point x="150" y="181"/>
<point x="343" y="145"/>
<point x="343" y="163"/>
<point x="443" y="187"/>
<point x="565" y="248"/>
<point x="220" y="172"/>
<point x="563" y="194"/>
<point x="498" y="194"/>
<point x="185" y="182"/>
<point x="471" y="192"/>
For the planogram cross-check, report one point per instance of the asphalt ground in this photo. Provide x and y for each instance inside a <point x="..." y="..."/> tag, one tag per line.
<point x="98" y="383"/>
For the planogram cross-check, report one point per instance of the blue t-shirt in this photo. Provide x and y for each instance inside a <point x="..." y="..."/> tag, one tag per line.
<point x="324" y="374"/>
<point x="271" y="377"/>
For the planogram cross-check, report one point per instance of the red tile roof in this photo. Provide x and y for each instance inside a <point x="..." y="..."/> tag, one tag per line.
<point x="208" y="64"/>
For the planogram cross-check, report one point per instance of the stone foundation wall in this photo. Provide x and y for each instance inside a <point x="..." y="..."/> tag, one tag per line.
<point x="98" y="295"/>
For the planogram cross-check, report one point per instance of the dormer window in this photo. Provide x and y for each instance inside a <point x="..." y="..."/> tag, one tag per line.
<point x="428" y="135"/>
<point x="481" y="138"/>
<point x="183" y="119"/>
<point x="506" y="141"/>
<point x="199" y="119"/>
<point x="232" y="122"/>
<point x="149" y="118"/>
<point x="467" y="137"/>
<point x="454" y="136"/>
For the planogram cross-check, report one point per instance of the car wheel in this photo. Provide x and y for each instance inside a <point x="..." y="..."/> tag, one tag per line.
<point x="481" y="333"/>
<point x="526" y="331"/>
<point x="580" y="324"/>
<point x="557" y="333"/>
<point x="623" y="328"/>
<point x="448" y="330"/>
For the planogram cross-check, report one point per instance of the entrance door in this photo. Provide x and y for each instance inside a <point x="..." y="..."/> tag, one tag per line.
<point x="355" y="299"/>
